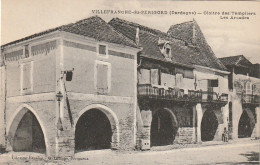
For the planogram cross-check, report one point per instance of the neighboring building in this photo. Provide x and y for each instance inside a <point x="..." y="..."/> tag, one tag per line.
<point x="119" y="85"/>
<point x="244" y="85"/>
<point x="181" y="85"/>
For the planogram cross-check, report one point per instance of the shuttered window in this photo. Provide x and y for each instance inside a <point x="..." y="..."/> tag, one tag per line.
<point x="144" y="76"/>
<point x="188" y="74"/>
<point x="155" y="76"/>
<point x="26" y="78"/>
<point x="102" y="79"/>
<point x="167" y="80"/>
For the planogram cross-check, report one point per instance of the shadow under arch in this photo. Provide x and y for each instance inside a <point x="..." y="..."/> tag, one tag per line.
<point x="209" y="125"/>
<point x="103" y="112"/>
<point x="246" y="124"/>
<point x="164" y="127"/>
<point x="20" y="113"/>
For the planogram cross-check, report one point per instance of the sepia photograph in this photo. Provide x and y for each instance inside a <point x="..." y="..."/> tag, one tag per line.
<point x="129" y="82"/>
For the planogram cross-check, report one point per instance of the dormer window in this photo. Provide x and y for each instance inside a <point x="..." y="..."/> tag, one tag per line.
<point x="168" y="50"/>
<point x="165" y="49"/>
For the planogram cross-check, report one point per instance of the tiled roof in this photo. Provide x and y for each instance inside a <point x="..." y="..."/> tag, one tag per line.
<point x="238" y="60"/>
<point x="148" y="40"/>
<point x="93" y="27"/>
<point x="191" y="33"/>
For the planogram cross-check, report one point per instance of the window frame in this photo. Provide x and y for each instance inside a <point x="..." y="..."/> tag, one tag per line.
<point x="97" y="62"/>
<point x="102" y="55"/>
<point x="23" y="92"/>
<point x="248" y="90"/>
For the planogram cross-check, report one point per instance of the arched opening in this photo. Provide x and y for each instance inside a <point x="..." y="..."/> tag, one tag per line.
<point x="163" y="128"/>
<point x="93" y="131"/>
<point x="28" y="135"/>
<point x="244" y="127"/>
<point x="209" y="125"/>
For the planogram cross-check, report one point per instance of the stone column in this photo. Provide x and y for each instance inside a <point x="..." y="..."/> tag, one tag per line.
<point x="225" y="112"/>
<point x="237" y="111"/>
<point x="147" y="119"/>
<point x="257" y="124"/>
<point x="199" y="118"/>
<point x="2" y="107"/>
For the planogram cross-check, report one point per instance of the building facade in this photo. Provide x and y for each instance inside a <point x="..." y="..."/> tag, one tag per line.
<point x="244" y="86"/>
<point x="120" y="85"/>
<point x="62" y="87"/>
<point x="182" y="86"/>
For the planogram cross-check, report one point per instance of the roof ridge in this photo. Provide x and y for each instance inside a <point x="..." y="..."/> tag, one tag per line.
<point x="68" y="27"/>
<point x="131" y="24"/>
<point x="142" y="27"/>
<point x="182" y="23"/>
<point x="61" y="27"/>
<point x="120" y="34"/>
<point x="230" y="56"/>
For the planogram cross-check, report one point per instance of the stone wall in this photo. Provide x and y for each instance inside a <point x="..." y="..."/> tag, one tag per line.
<point x="185" y="135"/>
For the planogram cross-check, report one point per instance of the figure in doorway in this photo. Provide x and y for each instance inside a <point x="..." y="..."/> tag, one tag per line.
<point x="225" y="135"/>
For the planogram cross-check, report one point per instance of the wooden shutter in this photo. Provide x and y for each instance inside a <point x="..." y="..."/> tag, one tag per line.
<point x="102" y="78"/>
<point x="167" y="79"/>
<point x="155" y="76"/>
<point x="26" y="78"/>
<point x="144" y="76"/>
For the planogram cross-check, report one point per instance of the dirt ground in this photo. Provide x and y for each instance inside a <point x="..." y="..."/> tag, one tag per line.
<point x="244" y="151"/>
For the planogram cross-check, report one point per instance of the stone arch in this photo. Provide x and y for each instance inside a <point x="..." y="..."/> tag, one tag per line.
<point x="173" y="130"/>
<point x="16" y="119"/>
<point x="247" y="112"/>
<point x="111" y="117"/>
<point x="172" y="115"/>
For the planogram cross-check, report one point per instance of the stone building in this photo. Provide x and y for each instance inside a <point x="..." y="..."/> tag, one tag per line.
<point x="120" y="85"/>
<point x="69" y="88"/>
<point x="244" y="106"/>
<point x="182" y="86"/>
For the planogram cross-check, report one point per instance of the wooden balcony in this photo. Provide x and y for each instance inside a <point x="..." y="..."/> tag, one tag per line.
<point x="250" y="99"/>
<point x="176" y="94"/>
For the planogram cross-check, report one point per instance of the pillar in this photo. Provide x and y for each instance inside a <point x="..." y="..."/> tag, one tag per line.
<point x="237" y="111"/>
<point x="257" y="124"/>
<point x="147" y="119"/>
<point x="2" y="107"/>
<point x="199" y="118"/>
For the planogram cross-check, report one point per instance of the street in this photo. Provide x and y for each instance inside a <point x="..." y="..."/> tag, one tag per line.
<point x="236" y="153"/>
<point x="233" y="153"/>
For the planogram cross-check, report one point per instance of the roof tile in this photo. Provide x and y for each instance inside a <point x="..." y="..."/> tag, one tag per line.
<point x="93" y="27"/>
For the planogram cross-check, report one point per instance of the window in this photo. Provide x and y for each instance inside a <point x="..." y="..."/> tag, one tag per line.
<point x="144" y="76"/>
<point x="26" y="51"/>
<point x="168" y="51"/>
<point x="102" y="77"/>
<point x="155" y="79"/>
<point x="102" y="50"/>
<point x="168" y="54"/>
<point x="167" y="79"/>
<point x="248" y="87"/>
<point x="26" y="78"/>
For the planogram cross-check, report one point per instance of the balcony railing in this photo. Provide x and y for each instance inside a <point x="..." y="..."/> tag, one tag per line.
<point x="249" y="98"/>
<point x="147" y="90"/>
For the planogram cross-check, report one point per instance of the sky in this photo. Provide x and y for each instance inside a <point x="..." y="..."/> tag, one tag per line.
<point x="21" y="18"/>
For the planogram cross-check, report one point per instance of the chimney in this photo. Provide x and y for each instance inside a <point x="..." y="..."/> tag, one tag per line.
<point x="137" y="36"/>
